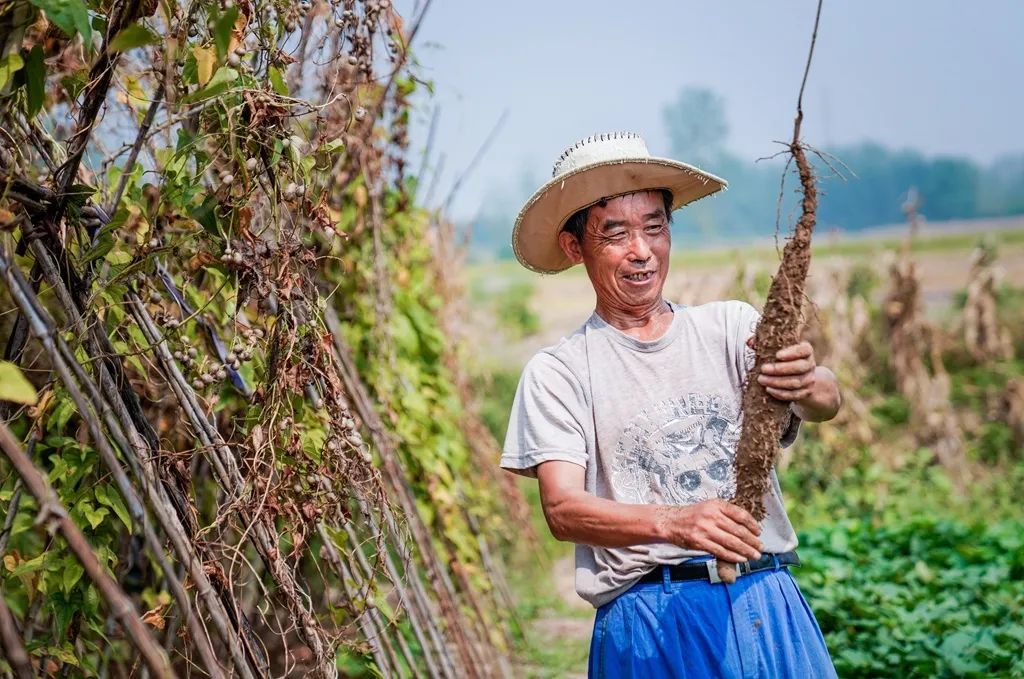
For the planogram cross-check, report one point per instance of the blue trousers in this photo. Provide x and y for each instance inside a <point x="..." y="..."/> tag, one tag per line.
<point x="760" y="626"/>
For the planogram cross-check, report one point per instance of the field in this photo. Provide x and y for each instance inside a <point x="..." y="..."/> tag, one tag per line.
<point x="913" y="560"/>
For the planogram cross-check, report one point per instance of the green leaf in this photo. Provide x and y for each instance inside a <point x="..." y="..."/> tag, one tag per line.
<point x="206" y="214"/>
<point x="219" y="83"/>
<point x="78" y="194"/>
<point x="119" y="257"/>
<point x="103" y="245"/>
<point x="35" y="80"/>
<point x="14" y="386"/>
<point x="64" y="654"/>
<point x="73" y="84"/>
<point x="277" y="80"/>
<point x="70" y="16"/>
<point x="72" y="574"/>
<point x="94" y="515"/>
<point x="110" y="498"/>
<point x="222" y="31"/>
<point x="9" y="65"/>
<point x="135" y="35"/>
<point x="30" y="566"/>
<point x="333" y="145"/>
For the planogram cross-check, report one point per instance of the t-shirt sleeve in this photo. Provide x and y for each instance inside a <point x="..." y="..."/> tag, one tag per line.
<point x="746" y="318"/>
<point x="547" y="419"/>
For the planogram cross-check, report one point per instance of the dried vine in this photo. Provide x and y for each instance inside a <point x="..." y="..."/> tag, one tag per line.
<point x="183" y="306"/>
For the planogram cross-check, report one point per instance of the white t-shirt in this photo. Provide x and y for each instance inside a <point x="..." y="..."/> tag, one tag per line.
<point x="651" y="422"/>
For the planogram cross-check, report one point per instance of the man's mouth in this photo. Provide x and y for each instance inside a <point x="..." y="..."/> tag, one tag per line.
<point x="639" y="277"/>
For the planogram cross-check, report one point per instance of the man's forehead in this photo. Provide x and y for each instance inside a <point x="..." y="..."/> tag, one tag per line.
<point x="638" y="204"/>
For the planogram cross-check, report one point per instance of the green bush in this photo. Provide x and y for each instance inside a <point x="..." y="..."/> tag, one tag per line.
<point x="512" y="309"/>
<point x="925" y="598"/>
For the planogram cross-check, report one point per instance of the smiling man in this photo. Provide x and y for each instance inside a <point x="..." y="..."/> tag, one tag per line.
<point x="630" y="425"/>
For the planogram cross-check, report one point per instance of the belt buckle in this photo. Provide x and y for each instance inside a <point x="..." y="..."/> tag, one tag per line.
<point x="712" y="566"/>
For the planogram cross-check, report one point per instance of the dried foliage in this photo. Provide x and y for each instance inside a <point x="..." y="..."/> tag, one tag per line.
<point x="218" y="286"/>
<point x="915" y="352"/>
<point x="984" y="337"/>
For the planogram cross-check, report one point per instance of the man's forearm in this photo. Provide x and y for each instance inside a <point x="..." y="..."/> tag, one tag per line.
<point x="584" y="518"/>
<point x="715" y="526"/>
<point x="824" y="400"/>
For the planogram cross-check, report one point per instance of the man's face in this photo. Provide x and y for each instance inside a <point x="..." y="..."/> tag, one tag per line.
<point x="625" y="250"/>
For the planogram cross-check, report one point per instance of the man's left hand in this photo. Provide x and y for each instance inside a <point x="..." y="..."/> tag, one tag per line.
<point x="791" y="377"/>
<point x="794" y="377"/>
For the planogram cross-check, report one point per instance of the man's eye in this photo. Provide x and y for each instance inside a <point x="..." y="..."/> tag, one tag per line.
<point x="617" y="235"/>
<point x="655" y="228"/>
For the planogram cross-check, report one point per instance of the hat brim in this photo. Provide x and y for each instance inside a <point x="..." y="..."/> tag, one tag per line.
<point x="535" y="234"/>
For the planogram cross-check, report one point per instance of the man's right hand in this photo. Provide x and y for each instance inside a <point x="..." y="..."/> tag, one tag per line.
<point x="718" y="527"/>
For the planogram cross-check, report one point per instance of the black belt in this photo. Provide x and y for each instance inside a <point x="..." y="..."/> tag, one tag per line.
<point x="708" y="570"/>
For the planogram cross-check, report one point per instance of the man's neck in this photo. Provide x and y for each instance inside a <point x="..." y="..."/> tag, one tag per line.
<point x="643" y="324"/>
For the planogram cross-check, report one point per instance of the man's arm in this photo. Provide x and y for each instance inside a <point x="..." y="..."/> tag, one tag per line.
<point x="811" y="390"/>
<point x="715" y="526"/>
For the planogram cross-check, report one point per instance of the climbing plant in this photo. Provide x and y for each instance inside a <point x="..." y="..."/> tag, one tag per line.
<point x="223" y="325"/>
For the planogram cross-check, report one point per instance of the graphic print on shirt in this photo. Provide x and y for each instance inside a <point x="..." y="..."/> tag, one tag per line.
<point x="679" y="451"/>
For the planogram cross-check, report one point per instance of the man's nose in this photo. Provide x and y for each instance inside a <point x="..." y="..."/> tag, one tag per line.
<point x="638" y="247"/>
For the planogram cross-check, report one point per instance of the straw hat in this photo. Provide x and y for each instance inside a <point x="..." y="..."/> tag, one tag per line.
<point x="591" y="170"/>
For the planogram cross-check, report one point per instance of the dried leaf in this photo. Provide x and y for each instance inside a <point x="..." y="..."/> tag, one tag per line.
<point x="154" y="618"/>
<point x="206" y="59"/>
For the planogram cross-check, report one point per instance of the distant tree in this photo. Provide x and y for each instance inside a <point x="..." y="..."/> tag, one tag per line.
<point x="696" y="126"/>
<point x="1001" y="186"/>
<point x="872" y="194"/>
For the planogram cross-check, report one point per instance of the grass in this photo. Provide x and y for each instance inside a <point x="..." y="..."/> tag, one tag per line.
<point x="543" y="609"/>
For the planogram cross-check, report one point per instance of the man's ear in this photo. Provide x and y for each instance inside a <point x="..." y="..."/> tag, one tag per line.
<point x="570" y="246"/>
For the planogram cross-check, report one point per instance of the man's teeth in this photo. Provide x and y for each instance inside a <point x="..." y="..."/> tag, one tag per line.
<point x="639" y="276"/>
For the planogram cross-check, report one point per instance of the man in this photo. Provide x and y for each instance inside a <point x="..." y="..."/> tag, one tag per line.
<point x="630" y="424"/>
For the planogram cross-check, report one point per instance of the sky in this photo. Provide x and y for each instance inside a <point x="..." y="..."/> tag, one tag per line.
<point x="941" y="76"/>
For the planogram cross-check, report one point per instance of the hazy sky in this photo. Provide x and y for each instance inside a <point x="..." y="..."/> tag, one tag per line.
<point x="942" y="76"/>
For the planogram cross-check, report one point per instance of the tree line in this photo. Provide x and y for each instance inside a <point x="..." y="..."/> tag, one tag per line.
<point x="867" y="184"/>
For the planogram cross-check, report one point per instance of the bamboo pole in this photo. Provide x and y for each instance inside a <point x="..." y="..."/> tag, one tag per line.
<point x="12" y="644"/>
<point x="394" y="473"/>
<point x="68" y="369"/>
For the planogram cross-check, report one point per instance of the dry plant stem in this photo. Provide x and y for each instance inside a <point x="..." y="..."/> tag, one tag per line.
<point x="261" y="532"/>
<point x="140" y="138"/>
<point x="503" y="599"/>
<point x="421" y="614"/>
<point x="366" y="576"/>
<point x="64" y="361"/>
<point x="12" y="511"/>
<point x="763" y="415"/>
<point x="52" y="513"/>
<point x="396" y="479"/>
<point x="370" y="623"/>
<point x="100" y="76"/>
<point x="72" y="374"/>
<point x="10" y="642"/>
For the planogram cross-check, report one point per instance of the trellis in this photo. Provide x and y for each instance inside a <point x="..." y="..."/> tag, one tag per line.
<point x="189" y="319"/>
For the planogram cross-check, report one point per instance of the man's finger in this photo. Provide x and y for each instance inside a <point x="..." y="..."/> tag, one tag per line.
<point x="721" y="553"/>
<point x="742" y="517"/>
<point x="741" y="533"/>
<point x="795" y="351"/>
<point x="792" y="383"/>
<point x="797" y="367"/>
<point x="735" y="545"/>
<point x="788" y="394"/>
